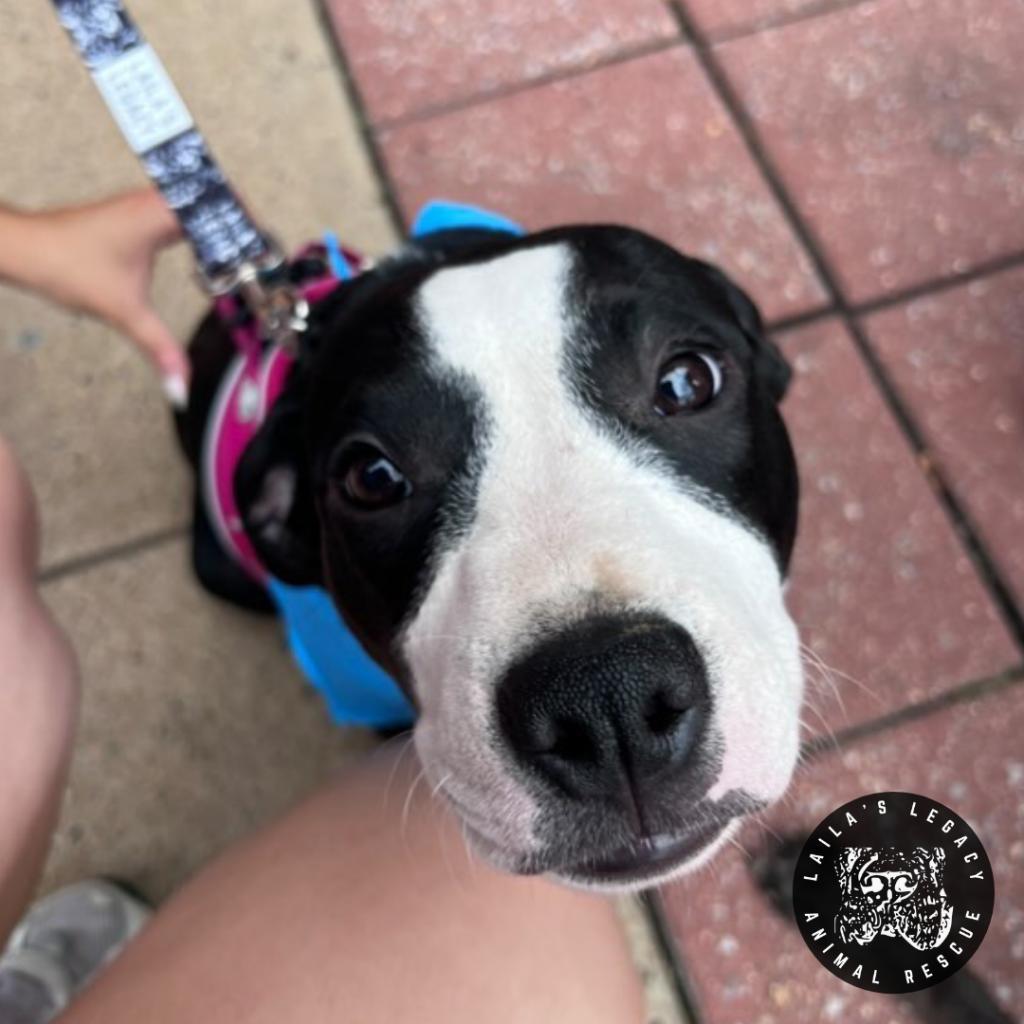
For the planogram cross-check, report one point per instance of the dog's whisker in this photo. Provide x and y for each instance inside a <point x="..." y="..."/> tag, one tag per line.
<point x="442" y="832"/>
<point x="732" y="840"/>
<point x="823" y="675"/>
<point x="826" y="684"/>
<point x="759" y="819"/>
<point x="715" y="869"/>
<point x="815" y="723"/>
<point x="812" y="705"/>
<point x="394" y="772"/>
<point x="826" y="730"/>
<point x="440" y="785"/>
<point x="835" y="673"/>
<point x="468" y="846"/>
<point x="407" y="806"/>
<point x="458" y="813"/>
<point x="804" y="765"/>
<point x="852" y="680"/>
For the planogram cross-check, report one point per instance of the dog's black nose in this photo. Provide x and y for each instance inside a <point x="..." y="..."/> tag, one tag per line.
<point x="608" y="707"/>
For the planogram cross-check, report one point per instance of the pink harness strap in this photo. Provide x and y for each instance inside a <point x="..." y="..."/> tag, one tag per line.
<point x="252" y="384"/>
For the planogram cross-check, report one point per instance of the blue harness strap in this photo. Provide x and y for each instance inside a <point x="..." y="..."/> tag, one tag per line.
<point x="441" y="215"/>
<point x="356" y="690"/>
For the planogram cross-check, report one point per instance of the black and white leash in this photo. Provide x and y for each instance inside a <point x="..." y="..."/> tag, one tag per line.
<point x="231" y="252"/>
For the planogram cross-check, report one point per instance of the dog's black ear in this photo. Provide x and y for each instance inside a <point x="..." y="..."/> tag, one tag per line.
<point x="769" y="363"/>
<point x="274" y="493"/>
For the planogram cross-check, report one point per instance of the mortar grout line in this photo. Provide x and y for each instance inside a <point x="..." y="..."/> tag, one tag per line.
<point x="962" y="523"/>
<point x="351" y="89"/>
<point x="783" y="19"/>
<point x="934" y="286"/>
<point x="501" y="92"/>
<point x="983" y="562"/>
<point x="682" y="987"/>
<point x="82" y="563"/>
<point x="748" y="134"/>
<point x="796" y="320"/>
<point x="968" y="692"/>
<point x="645" y="49"/>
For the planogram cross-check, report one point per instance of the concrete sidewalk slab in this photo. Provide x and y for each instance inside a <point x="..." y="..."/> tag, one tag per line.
<point x="196" y="726"/>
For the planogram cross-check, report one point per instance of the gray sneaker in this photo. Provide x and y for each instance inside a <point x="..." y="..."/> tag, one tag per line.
<point x="60" y="944"/>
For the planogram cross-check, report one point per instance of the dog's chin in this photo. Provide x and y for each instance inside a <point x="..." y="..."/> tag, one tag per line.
<point x="643" y="865"/>
<point x="649" y="863"/>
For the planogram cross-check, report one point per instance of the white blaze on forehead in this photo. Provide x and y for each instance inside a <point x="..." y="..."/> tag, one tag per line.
<point x="564" y="511"/>
<point x="506" y="314"/>
<point x="501" y="324"/>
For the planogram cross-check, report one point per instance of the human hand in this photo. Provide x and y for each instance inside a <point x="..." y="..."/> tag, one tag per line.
<point x="99" y="258"/>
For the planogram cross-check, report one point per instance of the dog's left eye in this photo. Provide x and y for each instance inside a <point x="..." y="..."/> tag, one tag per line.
<point x="688" y="382"/>
<point x="370" y="480"/>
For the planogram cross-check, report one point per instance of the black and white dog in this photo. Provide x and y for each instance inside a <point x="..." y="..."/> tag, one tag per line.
<point x="547" y="485"/>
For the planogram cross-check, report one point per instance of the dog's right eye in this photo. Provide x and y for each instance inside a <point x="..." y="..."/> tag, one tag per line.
<point x="368" y="479"/>
<point x="687" y="383"/>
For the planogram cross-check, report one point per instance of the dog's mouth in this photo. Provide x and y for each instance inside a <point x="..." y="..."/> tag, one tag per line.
<point x="648" y="860"/>
<point x="643" y="862"/>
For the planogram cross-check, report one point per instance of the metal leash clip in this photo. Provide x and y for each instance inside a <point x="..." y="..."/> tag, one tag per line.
<point x="265" y="288"/>
<point x="232" y="254"/>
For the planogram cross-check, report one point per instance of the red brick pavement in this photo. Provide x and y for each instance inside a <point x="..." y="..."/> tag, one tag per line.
<point x="858" y="166"/>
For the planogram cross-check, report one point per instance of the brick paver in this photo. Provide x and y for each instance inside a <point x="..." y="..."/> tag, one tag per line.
<point x="748" y="963"/>
<point x="882" y="589"/>
<point x="413" y="55"/>
<point x="896" y="129"/>
<point x="644" y="143"/>
<point x="957" y="360"/>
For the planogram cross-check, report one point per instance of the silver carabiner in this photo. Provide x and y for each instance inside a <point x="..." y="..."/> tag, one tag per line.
<point x="263" y="285"/>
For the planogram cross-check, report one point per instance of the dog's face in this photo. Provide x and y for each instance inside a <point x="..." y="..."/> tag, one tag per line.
<point x="547" y="484"/>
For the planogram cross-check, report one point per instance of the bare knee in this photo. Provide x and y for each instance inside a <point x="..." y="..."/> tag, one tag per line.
<point x="37" y="664"/>
<point x="364" y="896"/>
<point x="38" y="698"/>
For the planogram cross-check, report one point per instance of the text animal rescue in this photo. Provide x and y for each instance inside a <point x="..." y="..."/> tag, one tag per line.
<point x="841" y="959"/>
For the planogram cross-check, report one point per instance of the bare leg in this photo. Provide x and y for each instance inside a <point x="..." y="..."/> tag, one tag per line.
<point x="38" y="700"/>
<point x="362" y="905"/>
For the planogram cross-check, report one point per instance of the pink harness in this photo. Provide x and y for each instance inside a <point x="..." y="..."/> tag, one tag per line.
<point x="250" y="387"/>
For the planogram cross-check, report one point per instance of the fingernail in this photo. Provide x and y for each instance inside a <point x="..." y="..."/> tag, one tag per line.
<point x="176" y="391"/>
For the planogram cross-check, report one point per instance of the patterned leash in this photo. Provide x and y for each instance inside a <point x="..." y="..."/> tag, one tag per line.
<point x="233" y="256"/>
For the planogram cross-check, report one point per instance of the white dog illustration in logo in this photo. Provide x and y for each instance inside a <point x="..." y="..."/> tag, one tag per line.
<point x="892" y="892"/>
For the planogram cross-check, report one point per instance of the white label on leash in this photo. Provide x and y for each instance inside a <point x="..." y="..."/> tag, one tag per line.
<point x="142" y="99"/>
